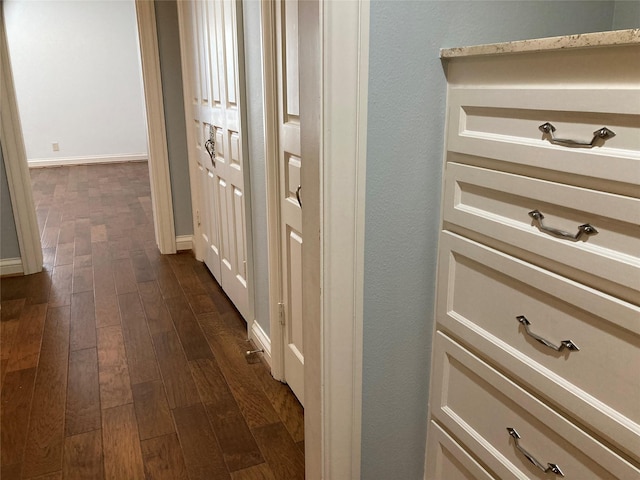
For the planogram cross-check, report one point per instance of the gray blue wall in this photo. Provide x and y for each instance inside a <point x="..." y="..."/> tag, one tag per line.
<point x="404" y="156"/>
<point x="171" y="72"/>
<point x="9" y="247"/>
<point x="626" y="14"/>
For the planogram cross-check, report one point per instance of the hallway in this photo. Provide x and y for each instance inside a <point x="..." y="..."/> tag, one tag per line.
<point x="119" y="363"/>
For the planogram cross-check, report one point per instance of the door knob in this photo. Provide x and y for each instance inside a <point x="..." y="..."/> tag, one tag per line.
<point x="210" y="146"/>
<point x="298" y="195"/>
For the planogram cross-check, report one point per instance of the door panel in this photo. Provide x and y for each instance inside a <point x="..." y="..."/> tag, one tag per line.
<point x="290" y="166"/>
<point x="238" y="230"/>
<point x="290" y="64"/>
<point x="222" y="215"/>
<point x="211" y="38"/>
<point x="295" y="290"/>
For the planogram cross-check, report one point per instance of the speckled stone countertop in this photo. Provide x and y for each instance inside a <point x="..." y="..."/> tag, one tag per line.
<point x="584" y="40"/>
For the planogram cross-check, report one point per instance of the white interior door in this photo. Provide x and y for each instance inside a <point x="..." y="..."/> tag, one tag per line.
<point x="216" y="143"/>
<point x="290" y="194"/>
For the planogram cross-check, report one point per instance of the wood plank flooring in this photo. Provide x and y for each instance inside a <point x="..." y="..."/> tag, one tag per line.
<point x="121" y="363"/>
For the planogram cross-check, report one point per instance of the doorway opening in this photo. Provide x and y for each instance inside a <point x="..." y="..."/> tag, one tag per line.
<point x="81" y="102"/>
<point x="143" y="45"/>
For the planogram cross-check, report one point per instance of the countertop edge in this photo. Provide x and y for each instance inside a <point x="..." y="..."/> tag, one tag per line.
<point x="583" y="40"/>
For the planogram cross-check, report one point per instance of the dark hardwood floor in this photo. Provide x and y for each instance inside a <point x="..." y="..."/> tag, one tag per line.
<point x="119" y="363"/>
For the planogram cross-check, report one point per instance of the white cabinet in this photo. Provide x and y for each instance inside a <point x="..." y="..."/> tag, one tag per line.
<point x="538" y="305"/>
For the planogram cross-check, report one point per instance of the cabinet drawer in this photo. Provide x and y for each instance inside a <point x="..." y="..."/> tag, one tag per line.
<point x="478" y="404"/>
<point x="503" y="124"/>
<point x="598" y="384"/>
<point x="446" y="460"/>
<point x="497" y="205"/>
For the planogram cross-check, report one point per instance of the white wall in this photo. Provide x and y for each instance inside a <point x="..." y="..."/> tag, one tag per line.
<point x="76" y="67"/>
<point x="169" y="50"/>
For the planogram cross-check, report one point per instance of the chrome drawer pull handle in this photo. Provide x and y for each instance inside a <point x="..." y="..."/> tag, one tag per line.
<point x="603" y="133"/>
<point x="551" y="467"/>
<point x="585" y="229"/>
<point x="568" y="344"/>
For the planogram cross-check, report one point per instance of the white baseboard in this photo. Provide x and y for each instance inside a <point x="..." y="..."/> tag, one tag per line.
<point x="11" y="266"/>
<point x="261" y="339"/>
<point x="58" y="162"/>
<point x="184" y="242"/>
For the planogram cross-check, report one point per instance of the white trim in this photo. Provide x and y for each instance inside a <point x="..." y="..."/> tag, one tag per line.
<point x="310" y="70"/>
<point x="344" y="30"/>
<point x="261" y="340"/>
<point x="11" y="266"/>
<point x="184" y="242"/>
<point x="334" y="149"/>
<point x="58" y="162"/>
<point x="159" y="175"/>
<point x="333" y="101"/>
<point x="270" y="108"/>
<point x="15" y="160"/>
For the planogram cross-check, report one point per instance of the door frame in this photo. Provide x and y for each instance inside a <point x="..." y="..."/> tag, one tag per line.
<point x="333" y="109"/>
<point x="159" y="174"/>
<point x="274" y="353"/>
<point x="15" y="159"/>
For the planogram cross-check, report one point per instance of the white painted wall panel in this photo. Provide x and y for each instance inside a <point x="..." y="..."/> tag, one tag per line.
<point x="78" y="79"/>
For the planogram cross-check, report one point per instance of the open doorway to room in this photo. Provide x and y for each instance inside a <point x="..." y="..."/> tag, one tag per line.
<point x="15" y="156"/>
<point x="142" y="354"/>
<point x="78" y="81"/>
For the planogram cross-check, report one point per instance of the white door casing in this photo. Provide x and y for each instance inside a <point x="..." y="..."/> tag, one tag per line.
<point x="211" y="42"/>
<point x="272" y="169"/>
<point x="344" y="33"/>
<point x="15" y="159"/>
<point x="334" y="37"/>
<point x="159" y="176"/>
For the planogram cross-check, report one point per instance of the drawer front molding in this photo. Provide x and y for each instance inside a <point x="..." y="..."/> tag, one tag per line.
<point x="446" y="459"/>
<point x="477" y="404"/>
<point x="599" y="384"/>
<point x="498" y="206"/>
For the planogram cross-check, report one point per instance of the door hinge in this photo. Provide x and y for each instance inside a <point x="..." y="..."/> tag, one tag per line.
<point x="281" y="305"/>
<point x="198" y="217"/>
